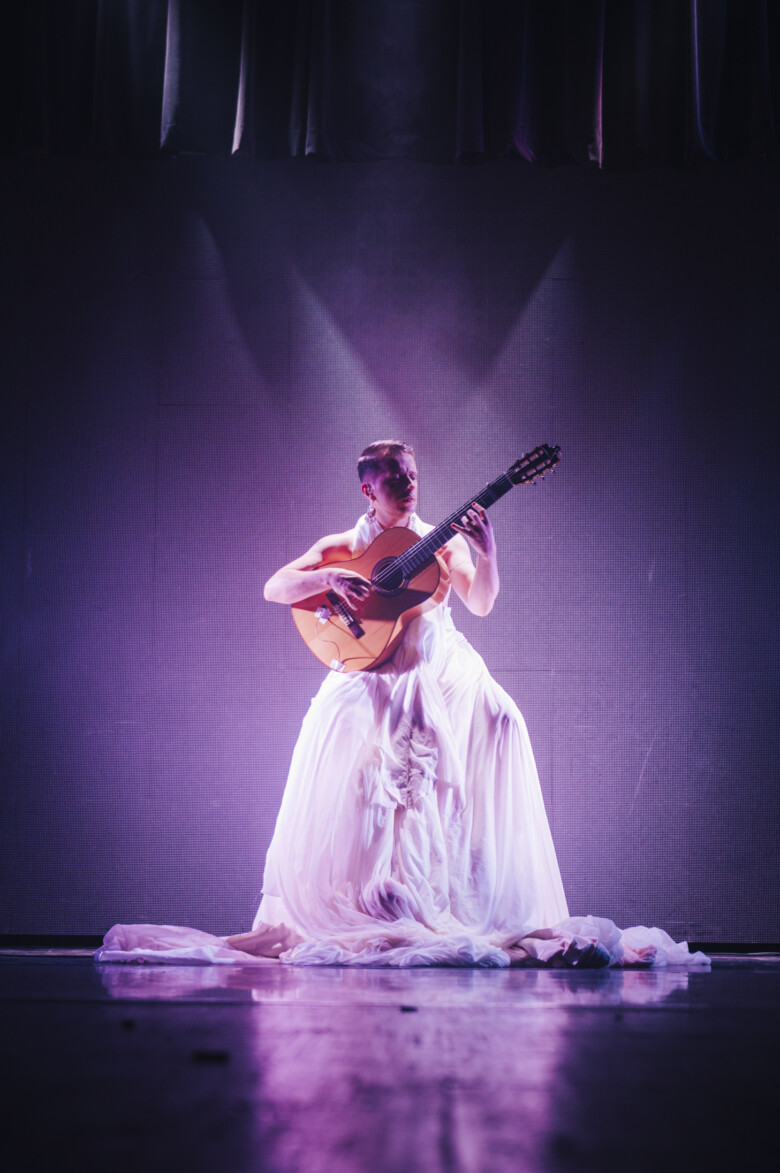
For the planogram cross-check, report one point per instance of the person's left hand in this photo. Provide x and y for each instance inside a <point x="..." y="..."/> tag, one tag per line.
<point x="475" y="526"/>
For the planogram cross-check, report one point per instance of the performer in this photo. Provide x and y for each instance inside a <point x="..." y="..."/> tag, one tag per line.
<point x="413" y="822"/>
<point x="412" y="830"/>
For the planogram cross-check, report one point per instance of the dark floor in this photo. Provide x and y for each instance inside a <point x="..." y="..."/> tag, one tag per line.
<point x="271" y="1067"/>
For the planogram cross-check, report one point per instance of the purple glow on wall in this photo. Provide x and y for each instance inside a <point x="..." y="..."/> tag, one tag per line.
<point x="195" y="353"/>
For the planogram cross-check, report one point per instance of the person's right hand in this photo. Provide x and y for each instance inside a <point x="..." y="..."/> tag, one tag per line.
<point x="349" y="586"/>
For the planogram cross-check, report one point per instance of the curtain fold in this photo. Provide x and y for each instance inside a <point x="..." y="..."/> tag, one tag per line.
<point x="201" y="76"/>
<point x="616" y="83"/>
<point x="129" y="74"/>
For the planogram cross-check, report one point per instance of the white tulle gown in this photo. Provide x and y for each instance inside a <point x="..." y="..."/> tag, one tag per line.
<point x="412" y="831"/>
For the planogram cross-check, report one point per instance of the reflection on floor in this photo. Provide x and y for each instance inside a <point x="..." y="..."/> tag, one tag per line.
<point x="278" y="1068"/>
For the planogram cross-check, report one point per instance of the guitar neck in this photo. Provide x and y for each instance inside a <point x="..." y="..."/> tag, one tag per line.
<point x="422" y="552"/>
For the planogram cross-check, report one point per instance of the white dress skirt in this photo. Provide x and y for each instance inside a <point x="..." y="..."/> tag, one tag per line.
<point x="412" y="831"/>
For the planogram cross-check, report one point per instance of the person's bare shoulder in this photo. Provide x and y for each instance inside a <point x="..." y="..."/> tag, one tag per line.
<point x="337" y="547"/>
<point x="331" y="548"/>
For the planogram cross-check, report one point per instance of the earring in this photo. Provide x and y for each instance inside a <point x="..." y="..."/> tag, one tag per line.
<point x="371" y="511"/>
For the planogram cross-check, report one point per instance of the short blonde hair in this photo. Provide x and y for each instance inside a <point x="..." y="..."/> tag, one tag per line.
<point x="373" y="457"/>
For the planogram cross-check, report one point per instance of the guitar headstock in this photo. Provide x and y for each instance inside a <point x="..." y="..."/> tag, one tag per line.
<point x="534" y="464"/>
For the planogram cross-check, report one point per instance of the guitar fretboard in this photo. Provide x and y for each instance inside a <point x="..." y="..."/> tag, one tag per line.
<point x="421" y="553"/>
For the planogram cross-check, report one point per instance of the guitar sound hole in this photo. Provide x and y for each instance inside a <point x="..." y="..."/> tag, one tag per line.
<point x="387" y="579"/>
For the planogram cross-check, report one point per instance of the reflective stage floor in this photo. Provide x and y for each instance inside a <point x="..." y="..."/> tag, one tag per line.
<point x="276" y="1068"/>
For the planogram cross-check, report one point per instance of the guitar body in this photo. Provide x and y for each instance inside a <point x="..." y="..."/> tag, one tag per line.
<point x="407" y="576"/>
<point x="356" y="639"/>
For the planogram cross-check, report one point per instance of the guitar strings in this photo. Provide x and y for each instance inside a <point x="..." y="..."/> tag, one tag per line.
<point x="540" y="460"/>
<point x="421" y="552"/>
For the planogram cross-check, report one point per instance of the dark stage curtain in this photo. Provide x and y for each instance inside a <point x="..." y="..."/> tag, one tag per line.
<point x="617" y="83"/>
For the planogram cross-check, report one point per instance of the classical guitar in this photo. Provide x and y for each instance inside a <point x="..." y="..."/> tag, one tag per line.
<point x="407" y="577"/>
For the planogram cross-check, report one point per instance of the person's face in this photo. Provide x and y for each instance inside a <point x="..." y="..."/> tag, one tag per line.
<point x="393" y="489"/>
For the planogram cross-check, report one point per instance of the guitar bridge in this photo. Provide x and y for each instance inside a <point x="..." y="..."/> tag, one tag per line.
<point x="344" y="613"/>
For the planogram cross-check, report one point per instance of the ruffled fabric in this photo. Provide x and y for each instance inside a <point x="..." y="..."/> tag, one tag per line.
<point x="576" y="943"/>
<point x="412" y="831"/>
<point x="174" y="944"/>
<point x="412" y="797"/>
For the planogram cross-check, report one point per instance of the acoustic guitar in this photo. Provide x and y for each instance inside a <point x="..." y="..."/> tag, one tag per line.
<point x="407" y="577"/>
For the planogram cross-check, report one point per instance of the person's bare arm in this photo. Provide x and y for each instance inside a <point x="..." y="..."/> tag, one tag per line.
<point x="476" y="585"/>
<point x="306" y="576"/>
